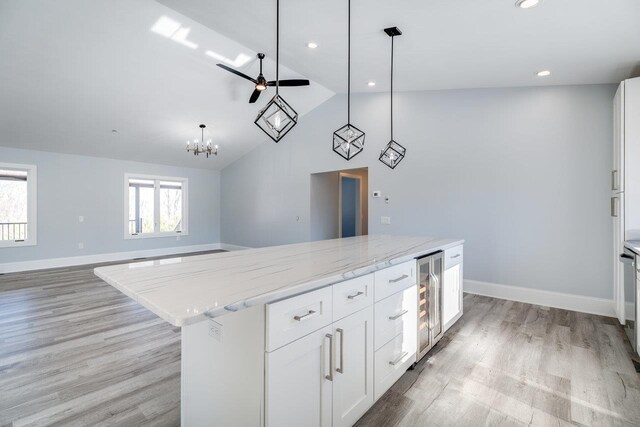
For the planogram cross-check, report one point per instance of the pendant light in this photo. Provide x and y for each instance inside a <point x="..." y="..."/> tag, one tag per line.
<point x="277" y="118"/>
<point x="348" y="141"/>
<point x="393" y="153"/>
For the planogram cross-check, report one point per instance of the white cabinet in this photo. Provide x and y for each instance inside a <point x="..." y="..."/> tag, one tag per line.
<point x="353" y="372"/>
<point x="325" y="378"/>
<point x="298" y="385"/>
<point x="452" y="287"/>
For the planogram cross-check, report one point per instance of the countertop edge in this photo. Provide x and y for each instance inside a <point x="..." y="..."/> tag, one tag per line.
<point x="272" y="296"/>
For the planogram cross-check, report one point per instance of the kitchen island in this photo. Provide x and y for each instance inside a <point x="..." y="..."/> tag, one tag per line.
<point x="265" y="331"/>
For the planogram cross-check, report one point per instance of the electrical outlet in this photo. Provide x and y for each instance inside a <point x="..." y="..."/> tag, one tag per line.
<point x="81" y="218"/>
<point x="80" y="245"/>
<point x="215" y="330"/>
<point x="177" y="237"/>
<point x="385" y="220"/>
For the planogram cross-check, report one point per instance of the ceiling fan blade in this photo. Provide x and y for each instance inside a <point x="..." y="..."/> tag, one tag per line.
<point x="237" y="73"/>
<point x="254" y="96"/>
<point x="290" y="82"/>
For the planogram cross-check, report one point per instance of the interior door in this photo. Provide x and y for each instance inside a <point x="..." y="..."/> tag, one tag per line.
<point x="299" y="383"/>
<point x="353" y="376"/>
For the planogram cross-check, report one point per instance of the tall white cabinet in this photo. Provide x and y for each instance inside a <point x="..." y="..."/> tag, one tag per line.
<point x="625" y="182"/>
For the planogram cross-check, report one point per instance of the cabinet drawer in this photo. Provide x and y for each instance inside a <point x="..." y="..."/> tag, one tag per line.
<point x="295" y="317"/>
<point x="452" y="257"/>
<point x="394" y="279"/>
<point x="392" y="360"/>
<point x="395" y="315"/>
<point x="352" y="295"/>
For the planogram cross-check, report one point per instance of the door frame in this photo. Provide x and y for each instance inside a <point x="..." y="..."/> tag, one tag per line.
<point x="358" y="207"/>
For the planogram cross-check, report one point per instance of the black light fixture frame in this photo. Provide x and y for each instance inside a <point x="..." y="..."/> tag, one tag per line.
<point x="392" y="146"/>
<point x="277" y="100"/>
<point x="338" y="139"/>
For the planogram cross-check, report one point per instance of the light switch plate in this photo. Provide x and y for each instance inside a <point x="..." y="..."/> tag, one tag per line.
<point x="385" y="220"/>
<point x="81" y="218"/>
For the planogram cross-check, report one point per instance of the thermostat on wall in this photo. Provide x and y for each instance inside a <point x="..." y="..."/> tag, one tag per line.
<point x="377" y="193"/>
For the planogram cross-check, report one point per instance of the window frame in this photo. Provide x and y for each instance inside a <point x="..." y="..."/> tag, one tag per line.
<point x="156" y="208"/>
<point x="32" y="205"/>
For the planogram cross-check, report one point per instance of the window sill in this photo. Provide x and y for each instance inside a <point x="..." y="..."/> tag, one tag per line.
<point x="14" y="244"/>
<point x="153" y="235"/>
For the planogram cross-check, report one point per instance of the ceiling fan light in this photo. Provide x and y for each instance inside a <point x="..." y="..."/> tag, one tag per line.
<point x="277" y="118"/>
<point x="261" y="87"/>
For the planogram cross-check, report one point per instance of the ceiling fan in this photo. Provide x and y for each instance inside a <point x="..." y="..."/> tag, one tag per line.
<point x="262" y="83"/>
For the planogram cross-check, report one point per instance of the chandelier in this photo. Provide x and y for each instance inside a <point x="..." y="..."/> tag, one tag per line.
<point x="199" y="147"/>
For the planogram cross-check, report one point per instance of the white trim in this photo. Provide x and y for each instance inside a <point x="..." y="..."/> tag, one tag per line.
<point x="230" y="247"/>
<point x="591" y="305"/>
<point x="32" y="205"/>
<point x="156" y="207"/>
<point x="13" y="267"/>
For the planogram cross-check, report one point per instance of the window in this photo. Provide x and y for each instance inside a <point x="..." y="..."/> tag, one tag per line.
<point x="17" y="205"/>
<point x="155" y="206"/>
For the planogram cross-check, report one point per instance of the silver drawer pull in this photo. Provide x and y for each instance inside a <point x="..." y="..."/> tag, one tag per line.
<point x="399" y="315"/>
<point x="395" y="362"/>
<point x="332" y="360"/>
<point x="354" y="296"/>
<point x="404" y="276"/>
<point x="456" y="256"/>
<point x="299" y="318"/>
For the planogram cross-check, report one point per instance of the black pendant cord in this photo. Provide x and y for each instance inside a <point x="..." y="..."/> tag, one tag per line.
<point x="277" y="45"/>
<point x="392" y="37"/>
<point x="349" y="65"/>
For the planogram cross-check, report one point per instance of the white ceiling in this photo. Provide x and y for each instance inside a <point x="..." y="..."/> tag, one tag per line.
<point x="446" y="44"/>
<point x="73" y="70"/>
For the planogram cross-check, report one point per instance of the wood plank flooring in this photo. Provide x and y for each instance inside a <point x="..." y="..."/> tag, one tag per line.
<point x="512" y="364"/>
<point x="75" y="351"/>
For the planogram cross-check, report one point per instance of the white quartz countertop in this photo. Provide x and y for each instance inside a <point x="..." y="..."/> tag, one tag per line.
<point x="181" y="290"/>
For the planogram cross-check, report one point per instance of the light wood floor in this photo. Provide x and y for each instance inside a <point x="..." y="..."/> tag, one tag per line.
<point x="75" y="351"/>
<point x="512" y="364"/>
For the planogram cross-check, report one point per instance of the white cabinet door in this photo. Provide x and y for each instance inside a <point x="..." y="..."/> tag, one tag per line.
<point x="298" y="392"/>
<point x="452" y="294"/>
<point x="353" y="375"/>
<point x="617" y="173"/>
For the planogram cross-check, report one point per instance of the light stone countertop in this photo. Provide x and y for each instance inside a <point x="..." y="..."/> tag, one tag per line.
<point x="633" y="245"/>
<point x="180" y="290"/>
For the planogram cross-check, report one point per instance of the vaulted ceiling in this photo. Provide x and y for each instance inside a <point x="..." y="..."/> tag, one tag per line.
<point x="71" y="71"/>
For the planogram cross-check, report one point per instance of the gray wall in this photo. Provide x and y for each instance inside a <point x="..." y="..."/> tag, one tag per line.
<point x="522" y="174"/>
<point x="70" y="186"/>
<point x="324" y="205"/>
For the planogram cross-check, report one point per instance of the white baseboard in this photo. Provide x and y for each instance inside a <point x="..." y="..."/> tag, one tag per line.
<point x="13" y="267"/>
<point x="230" y="247"/>
<point x="600" y="306"/>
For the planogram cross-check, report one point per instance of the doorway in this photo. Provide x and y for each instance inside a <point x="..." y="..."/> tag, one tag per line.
<point x="339" y="204"/>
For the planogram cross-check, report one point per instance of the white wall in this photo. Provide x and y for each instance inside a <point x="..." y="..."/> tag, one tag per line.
<point x="70" y="186"/>
<point x="522" y="174"/>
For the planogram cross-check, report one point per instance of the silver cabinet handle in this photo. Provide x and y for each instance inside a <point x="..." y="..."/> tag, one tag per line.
<point x="354" y="296"/>
<point x="614" y="210"/>
<point x="331" y="357"/>
<point x="404" y="276"/>
<point x="399" y="315"/>
<point x="395" y="362"/>
<point x="614" y="181"/>
<point x="302" y="317"/>
<point x="341" y="368"/>
<point x="455" y="256"/>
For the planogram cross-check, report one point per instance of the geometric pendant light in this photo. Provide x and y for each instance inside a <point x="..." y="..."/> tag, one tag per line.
<point x="277" y="117"/>
<point x="393" y="152"/>
<point x="348" y="141"/>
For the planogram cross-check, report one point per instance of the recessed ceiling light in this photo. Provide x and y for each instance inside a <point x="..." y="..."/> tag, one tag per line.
<point x="312" y="45"/>
<point x="543" y="73"/>
<point x="371" y="83"/>
<point x="526" y="4"/>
